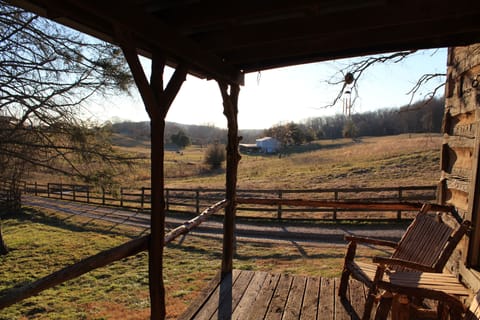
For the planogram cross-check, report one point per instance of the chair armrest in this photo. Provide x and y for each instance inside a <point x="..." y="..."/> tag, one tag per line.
<point x="374" y="241"/>
<point x="402" y="263"/>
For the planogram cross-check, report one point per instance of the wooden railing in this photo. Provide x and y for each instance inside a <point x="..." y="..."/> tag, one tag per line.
<point x="13" y="295"/>
<point x="195" y="200"/>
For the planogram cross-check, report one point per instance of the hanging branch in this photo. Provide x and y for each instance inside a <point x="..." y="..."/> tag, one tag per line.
<point x="424" y="79"/>
<point x="358" y="68"/>
<point x="354" y="71"/>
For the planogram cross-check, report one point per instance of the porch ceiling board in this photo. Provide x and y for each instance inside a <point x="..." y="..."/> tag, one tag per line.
<point x="220" y="39"/>
<point x="321" y="24"/>
<point x="320" y="47"/>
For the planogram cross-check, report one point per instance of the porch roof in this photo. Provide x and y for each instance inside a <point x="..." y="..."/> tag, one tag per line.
<point x="224" y="40"/>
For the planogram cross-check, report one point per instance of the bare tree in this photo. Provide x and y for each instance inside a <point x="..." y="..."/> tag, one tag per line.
<point x="47" y="74"/>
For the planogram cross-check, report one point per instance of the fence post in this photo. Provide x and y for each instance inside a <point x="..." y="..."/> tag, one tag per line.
<point x="335" y="196"/>
<point x="400" y="196"/>
<point x="61" y="191"/>
<point x="88" y="194"/>
<point x="36" y="192"/>
<point x="197" y="201"/>
<point x="121" y="196"/>
<point x="103" y="195"/>
<point x="279" y="210"/>
<point x="48" y="189"/>
<point x="73" y="191"/>
<point x="167" y="199"/>
<point x="142" y="200"/>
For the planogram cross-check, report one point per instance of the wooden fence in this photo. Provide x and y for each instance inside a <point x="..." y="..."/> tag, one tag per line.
<point x="196" y="200"/>
<point x="10" y="197"/>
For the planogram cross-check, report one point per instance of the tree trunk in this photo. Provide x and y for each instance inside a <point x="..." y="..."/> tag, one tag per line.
<point x="3" y="246"/>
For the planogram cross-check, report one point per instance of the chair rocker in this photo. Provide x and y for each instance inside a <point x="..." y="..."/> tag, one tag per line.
<point x="425" y="246"/>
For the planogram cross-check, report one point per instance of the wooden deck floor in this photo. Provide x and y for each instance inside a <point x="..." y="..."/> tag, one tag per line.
<point x="262" y="295"/>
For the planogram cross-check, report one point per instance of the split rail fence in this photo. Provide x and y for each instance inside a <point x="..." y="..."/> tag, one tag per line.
<point x="269" y="204"/>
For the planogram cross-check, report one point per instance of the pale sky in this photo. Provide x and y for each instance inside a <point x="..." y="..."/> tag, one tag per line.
<point x="284" y="94"/>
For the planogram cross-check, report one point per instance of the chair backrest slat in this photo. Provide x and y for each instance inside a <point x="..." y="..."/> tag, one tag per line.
<point x="424" y="241"/>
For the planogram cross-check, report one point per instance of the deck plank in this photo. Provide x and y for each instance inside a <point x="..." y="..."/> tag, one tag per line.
<point x="277" y="305"/>
<point x="259" y="309"/>
<point x="262" y="295"/>
<point x="250" y="296"/>
<point x="357" y="297"/>
<point x="295" y="298"/>
<point x="225" y="310"/>
<point x="340" y="311"/>
<point x="310" y="300"/>
<point x="201" y="299"/>
<point x="220" y="296"/>
<point x="326" y="306"/>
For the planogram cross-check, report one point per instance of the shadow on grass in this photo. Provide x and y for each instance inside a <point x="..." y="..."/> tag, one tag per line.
<point x="212" y="252"/>
<point x="314" y="146"/>
<point x="283" y="257"/>
<point x="307" y="147"/>
<point x="280" y="256"/>
<point x="67" y="222"/>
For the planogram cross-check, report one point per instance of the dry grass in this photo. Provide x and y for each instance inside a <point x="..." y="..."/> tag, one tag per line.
<point x="369" y="162"/>
<point x="409" y="159"/>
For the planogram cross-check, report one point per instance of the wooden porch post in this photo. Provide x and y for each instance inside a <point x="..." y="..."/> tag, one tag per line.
<point x="157" y="101"/>
<point x="230" y="107"/>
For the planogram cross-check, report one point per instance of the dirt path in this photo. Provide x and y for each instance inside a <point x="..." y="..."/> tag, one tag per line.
<point x="252" y="231"/>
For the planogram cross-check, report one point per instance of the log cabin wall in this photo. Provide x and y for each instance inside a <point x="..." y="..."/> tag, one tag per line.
<point x="460" y="181"/>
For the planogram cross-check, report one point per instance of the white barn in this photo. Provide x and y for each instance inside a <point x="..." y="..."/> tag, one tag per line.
<point x="268" y="144"/>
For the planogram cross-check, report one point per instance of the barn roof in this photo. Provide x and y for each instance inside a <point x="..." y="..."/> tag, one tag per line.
<point x="266" y="139"/>
<point x="225" y="39"/>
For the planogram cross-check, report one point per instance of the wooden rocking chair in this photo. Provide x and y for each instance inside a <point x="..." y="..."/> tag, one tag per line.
<point x="425" y="246"/>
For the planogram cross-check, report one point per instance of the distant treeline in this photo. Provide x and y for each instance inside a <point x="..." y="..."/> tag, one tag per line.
<point x="198" y="134"/>
<point x="416" y="118"/>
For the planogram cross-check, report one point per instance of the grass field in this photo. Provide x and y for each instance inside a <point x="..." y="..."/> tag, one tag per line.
<point x="408" y="159"/>
<point x="43" y="242"/>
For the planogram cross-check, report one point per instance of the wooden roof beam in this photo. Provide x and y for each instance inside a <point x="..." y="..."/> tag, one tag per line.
<point x="206" y="16"/>
<point x="272" y="55"/>
<point x="150" y="34"/>
<point x="336" y="24"/>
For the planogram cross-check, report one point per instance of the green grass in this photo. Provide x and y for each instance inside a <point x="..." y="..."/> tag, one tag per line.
<point x="44" y="242"/>
<point x="41" y="244"/>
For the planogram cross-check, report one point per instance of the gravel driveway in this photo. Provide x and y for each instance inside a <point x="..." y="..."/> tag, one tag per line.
<point x="254" y="231"/>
